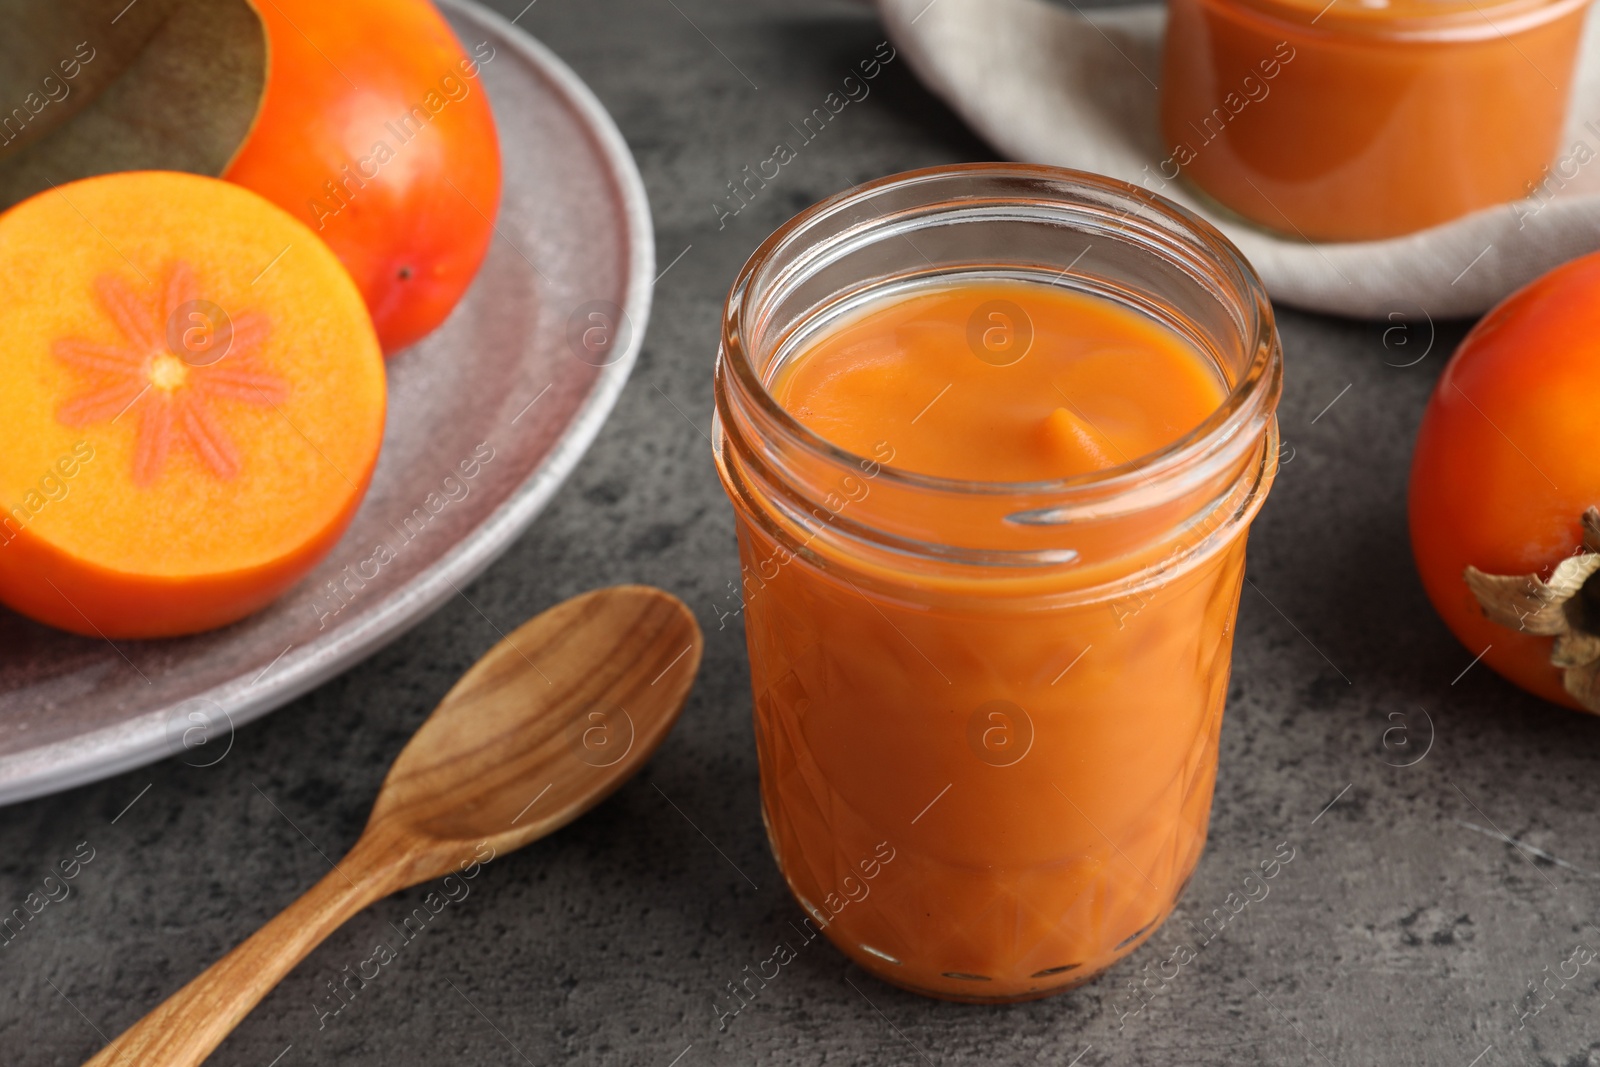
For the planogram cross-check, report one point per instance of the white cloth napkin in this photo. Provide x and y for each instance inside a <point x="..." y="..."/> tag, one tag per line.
<point x="1057" y="85"/>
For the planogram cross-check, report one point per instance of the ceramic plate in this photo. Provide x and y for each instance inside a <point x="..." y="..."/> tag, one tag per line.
<point x="486" y="417"/>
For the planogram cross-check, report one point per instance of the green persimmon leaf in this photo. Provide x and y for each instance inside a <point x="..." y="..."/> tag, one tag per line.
<point x="91" y="87"/>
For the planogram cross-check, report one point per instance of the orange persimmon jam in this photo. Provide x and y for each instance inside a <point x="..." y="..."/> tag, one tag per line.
<point x="993" y="435"/>
<point x="1348" y="120"/>
<point x="1083" y="402"/>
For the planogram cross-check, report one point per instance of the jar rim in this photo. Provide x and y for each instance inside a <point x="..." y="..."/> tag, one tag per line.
<point x="1246" y="396"/>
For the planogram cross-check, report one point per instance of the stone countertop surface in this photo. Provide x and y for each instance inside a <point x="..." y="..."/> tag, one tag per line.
<point x="1406" y="930"/>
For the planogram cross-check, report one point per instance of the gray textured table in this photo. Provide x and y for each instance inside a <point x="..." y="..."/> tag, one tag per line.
<point x="1406" y="930"/>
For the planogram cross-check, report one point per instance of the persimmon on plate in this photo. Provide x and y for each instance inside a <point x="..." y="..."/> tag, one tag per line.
<point x="375" y="131"/>
<point x="1503" y="480"/>
<point x="193" y="407"/>
<point x="363" y="118"/>
<point x="485" y="420"/>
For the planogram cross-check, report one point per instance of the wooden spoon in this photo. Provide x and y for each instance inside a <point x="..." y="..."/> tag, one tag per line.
<point x="541" y="729"/>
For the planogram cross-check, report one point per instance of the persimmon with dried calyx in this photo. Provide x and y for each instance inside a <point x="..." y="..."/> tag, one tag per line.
<point x="193" y="407"/>
<point x="375" y="131"/>
<point x="1503" y="480"/>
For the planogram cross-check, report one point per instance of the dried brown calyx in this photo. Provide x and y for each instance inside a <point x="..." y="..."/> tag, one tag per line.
<point x="1566" y="607"/>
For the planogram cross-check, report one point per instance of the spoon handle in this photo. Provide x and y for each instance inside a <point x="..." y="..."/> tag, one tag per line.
<point x="192" y="1022"/>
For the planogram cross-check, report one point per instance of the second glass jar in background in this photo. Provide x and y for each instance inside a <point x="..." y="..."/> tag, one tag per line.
<point x="1347" y="120"/>
<point x="987" y="713"/>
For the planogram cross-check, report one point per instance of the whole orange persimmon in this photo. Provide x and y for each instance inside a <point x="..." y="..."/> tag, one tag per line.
<point x="1506" y="465"/>
<point x="375" y="130"/>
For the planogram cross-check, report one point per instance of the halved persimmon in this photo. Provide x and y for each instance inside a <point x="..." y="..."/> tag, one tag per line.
<point x="193" y="407"/>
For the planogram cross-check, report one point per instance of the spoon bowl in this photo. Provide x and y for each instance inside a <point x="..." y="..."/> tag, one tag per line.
<point x="609" y="668"/>
<point x="547" y="724"/>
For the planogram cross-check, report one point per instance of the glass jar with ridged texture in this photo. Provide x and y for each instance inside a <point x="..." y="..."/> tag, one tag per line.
<point x="987" y="711"/>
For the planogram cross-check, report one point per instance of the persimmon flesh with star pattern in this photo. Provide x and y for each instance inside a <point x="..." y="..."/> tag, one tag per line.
<point x="194" y="404"/>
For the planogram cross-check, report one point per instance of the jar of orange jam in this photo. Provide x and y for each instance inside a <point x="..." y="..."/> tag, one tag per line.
<point x="1350" y="120"/>
<point x="993" y="436"/>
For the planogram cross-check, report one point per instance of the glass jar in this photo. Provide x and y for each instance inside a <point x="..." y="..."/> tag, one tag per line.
<point x="987" y="713"/>
<point x="1347" y="120"/>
